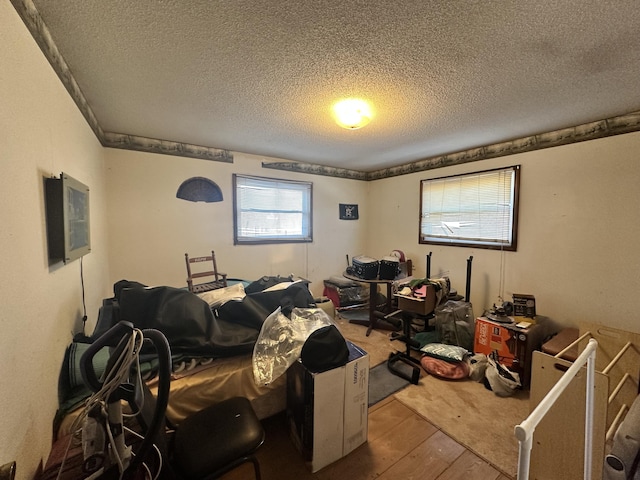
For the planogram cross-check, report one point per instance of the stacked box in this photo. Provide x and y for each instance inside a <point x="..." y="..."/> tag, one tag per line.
<point x="514" y="345"/>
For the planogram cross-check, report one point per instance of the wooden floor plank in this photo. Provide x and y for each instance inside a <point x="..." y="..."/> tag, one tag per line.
<point x="401" y="445"/>
<point x="427" y="461"/>
<point x="383" y="419"/>
<point x="380" y="453"/>
<point x="469" y="465"/>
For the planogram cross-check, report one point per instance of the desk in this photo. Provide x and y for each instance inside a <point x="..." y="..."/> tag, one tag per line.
<point x="373" y="295"/>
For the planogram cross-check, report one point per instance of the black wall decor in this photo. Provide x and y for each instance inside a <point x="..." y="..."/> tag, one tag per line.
<point x="199" y="189"/>
<point x="348" y="211"/>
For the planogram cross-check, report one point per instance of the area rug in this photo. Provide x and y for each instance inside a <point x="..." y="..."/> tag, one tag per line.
<point x="383" y="383"/>
<point x="472" y="415"/>
<point x="355" y="314"/>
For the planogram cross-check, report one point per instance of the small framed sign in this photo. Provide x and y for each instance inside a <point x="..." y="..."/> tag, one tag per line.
<point x="348" y="211"/>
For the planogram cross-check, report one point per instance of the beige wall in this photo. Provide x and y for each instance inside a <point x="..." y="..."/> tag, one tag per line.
<point x="578" y="233"/>
<point x="150" y="229"/>
<point x="577" y="268"/>
<point x="43" y="134"/>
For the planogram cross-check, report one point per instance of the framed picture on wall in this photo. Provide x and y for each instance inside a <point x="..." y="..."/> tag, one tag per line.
<point x="348" y="211"/>
<point x="67" y="210"/>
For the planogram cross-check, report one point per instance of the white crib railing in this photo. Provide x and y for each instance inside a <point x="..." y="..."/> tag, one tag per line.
<point x="524" y="431"/>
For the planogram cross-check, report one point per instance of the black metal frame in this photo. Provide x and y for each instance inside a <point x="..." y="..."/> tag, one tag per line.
<point x="405" y="356"/>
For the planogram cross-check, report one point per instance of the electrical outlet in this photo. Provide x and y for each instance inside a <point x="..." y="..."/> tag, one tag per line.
<point x="8" y="471"/>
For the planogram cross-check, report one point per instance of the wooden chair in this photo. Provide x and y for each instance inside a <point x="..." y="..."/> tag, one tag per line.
<point x="218" y="279"/>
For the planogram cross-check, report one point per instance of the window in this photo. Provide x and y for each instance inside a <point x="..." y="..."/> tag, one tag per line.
<point x="472" y="210"/>
<point x="268" y="210"/>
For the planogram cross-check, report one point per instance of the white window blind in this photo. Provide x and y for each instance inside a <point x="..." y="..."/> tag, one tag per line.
<point x="270" y="210"/>
<point x="478" y="209"/>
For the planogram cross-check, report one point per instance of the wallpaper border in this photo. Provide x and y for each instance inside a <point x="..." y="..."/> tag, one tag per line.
<point x="589" y="131"/>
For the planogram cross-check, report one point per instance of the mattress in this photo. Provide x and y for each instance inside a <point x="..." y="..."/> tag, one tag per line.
<point x="223" y="378"/>
<point x="194" y="389"/>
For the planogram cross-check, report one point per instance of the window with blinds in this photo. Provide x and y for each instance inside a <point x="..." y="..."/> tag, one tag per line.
<point x="473" y="210"/>
<point x="268" y="210"/>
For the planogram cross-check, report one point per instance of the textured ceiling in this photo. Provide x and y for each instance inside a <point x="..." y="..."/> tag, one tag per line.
<point x="260" y="76"/>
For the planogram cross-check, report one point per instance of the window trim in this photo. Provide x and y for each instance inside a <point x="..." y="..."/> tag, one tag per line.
<point x="512" y="246"/>
<point x="243" y="240"/>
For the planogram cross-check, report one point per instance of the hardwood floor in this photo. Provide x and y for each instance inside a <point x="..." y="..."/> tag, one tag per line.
<point x="401" y="445"/>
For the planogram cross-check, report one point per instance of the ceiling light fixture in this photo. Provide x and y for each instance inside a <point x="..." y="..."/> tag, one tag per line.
<point x="352" y="113"/>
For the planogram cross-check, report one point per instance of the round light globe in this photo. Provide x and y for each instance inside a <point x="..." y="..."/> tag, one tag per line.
<point x="352" y="113"/>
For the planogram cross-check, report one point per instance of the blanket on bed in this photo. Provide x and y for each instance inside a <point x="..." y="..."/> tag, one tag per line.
<point x="193" y="328"/>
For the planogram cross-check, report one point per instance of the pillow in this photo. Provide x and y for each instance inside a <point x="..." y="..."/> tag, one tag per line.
<point x="444" y="369"/>
<point x="451" y="353"/>
<point x="217" y="297"/>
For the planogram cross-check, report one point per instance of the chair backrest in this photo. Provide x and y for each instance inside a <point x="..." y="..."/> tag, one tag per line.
<point x="216" y="279"/>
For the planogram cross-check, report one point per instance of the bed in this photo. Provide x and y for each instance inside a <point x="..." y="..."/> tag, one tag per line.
<point x="212" y="361"/>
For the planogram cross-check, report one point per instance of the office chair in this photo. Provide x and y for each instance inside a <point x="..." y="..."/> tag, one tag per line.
<point x="218" y="280"/>
<point x="204" y="446"/>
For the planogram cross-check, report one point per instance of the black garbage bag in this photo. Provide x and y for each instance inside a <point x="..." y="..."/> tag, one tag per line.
<point x="184" y="318"/>
<point x="192" y="328"/>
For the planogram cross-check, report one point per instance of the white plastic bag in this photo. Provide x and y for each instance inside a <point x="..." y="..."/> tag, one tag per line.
<point x="281" y="339"/>
<point x="503" y="382"/>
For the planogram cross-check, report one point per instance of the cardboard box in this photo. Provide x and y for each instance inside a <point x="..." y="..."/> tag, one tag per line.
<point x="327" y="412"/>
<point x="524" y="305"/>
<point x="420" y="306"/>
<point x="356" y="399"/>
<point x="515" y="345"/>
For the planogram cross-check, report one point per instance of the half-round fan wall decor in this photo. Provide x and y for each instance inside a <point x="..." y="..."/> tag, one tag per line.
<point x="199" y="189"/>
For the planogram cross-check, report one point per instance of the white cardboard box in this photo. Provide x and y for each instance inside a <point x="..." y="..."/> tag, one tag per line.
<point x="327" y="411"/>
<point x="356" y="399"/>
